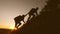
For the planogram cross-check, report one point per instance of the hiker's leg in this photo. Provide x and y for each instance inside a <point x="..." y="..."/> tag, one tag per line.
<point x="36" y="13"/>
<point x="23" y="21"/>
<point x="15" y="23"/>
<point x="29" y="17"/>
<point x="33" y="15"/>
<point x="19" y="24"/>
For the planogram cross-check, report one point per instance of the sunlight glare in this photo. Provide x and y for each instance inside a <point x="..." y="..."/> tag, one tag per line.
<point x="11" y="27"/>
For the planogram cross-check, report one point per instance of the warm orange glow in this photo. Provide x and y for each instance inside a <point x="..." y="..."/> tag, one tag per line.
<point x="11" y="27"/>
<point x="15" y="28"/>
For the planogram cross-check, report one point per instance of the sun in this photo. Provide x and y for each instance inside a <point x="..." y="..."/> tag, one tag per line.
<point x="11" y="27"/>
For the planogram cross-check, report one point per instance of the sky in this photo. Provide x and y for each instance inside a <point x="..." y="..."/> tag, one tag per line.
<point x="9" y="9"/>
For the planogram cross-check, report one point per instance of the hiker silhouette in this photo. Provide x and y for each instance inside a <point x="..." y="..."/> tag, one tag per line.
<point x="18" y="20"/>
<point x="31" y="13"/>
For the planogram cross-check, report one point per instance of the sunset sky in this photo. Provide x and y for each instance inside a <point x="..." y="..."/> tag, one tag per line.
<point x="9" y="9"/>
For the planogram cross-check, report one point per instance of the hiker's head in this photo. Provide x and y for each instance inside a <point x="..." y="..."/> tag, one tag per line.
<point x="23" y="15"/>
<point x="37" y="8"/>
